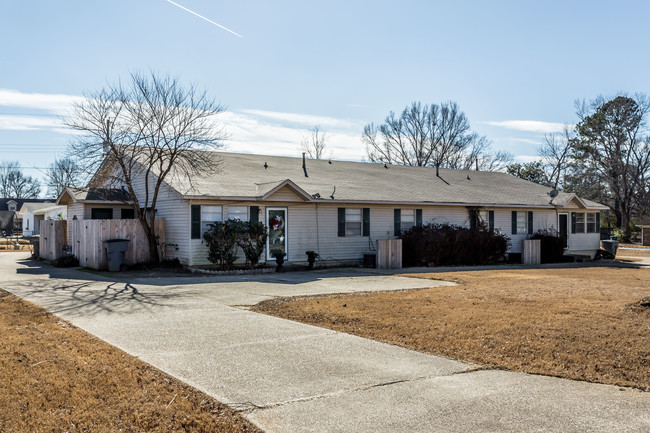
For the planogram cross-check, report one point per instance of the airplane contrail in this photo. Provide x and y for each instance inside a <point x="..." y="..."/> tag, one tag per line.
<point x="204" y="18"/>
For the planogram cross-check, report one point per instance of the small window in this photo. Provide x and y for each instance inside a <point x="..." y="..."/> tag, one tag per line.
<point x="12" y="206"/>
<point x="580" y="222"/>
<point x="522" y="227"/>
<point x="210" y="214"/>
<point x="407" y="220"/>
<point x="352" y="222"/>
<point x="127" y="214"/>
<point x="591" y="223"/>
<point x="238" y="213"/>
<point x="101" y="213"/>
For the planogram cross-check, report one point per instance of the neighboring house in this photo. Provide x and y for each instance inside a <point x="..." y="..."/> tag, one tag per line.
<point x="339" y="209"/>
<point x="12" y="214"/>
<point x="31" y="222"/>
<point x="95" y="203"/>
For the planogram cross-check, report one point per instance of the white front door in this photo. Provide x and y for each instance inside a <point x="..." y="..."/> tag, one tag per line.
<point x="276" y="221"/>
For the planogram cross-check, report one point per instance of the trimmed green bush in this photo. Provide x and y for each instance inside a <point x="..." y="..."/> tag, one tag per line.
<point x="452" y="245"/>
<point x="223" y="238"/>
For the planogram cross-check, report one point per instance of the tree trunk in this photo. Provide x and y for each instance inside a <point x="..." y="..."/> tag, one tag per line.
<point x="152" y="240"/>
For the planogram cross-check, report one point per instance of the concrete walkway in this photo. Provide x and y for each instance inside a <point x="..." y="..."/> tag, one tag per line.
<point x="290" y="377"/>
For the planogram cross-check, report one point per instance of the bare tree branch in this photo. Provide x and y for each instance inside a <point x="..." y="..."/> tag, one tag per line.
<point x="138" y="135"/>
<point x="314" y="143"/>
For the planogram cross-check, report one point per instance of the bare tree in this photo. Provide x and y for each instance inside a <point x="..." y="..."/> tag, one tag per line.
<point x="314" y="143"/>
<point x="556" y="154"/>
<point x="427" y="135"/>
<point x="62" y="173"/>
<point x="138" y="135"/>
<point x="14" y="184"/>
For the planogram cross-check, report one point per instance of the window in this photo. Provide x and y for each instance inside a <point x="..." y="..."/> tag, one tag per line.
<point x="591" y="223"/>
<point x="127" y="214"/>
<point x="521" y="223"/>
<point x="487" y="218"/>
<point x="210" y="214"/>
<point x="101" y="213"/>
<point x="238" y="213"/>
<point x="352" y="222"/>
<point x="12" y="206"/>
<point x="407" y="220"/>
<point x="580" y="222"/>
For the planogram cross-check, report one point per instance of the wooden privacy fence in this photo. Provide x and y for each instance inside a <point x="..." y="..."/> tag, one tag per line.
<point x="88" y="238"/>
<point x="531" y="252"/>
<point x="53" y="235"/>
<point x="389" y="254"/>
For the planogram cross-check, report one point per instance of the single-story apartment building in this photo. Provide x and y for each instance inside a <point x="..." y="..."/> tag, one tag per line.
<point x="32" y="214"/>
<point x="340" y="208"/>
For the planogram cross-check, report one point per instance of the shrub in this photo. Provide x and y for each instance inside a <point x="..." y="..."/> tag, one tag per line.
<point x="451" y="245"/>
<point x="551" y="245"/>
<point x="252" y="241"/>
<point x="223" y="238"/>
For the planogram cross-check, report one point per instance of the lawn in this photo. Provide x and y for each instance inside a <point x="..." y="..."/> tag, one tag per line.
<point x="57" y="378"/>
<point x="588" y="323"/>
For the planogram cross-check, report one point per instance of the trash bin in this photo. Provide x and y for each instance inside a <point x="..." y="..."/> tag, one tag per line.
<point x="115" y="249"/>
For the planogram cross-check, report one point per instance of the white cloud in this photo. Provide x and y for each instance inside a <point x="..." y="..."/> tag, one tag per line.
<point x="528" y="125"/>
<point x="307" y="120"/>
<point x="27" y="123"/>
<point x="55" y="103"/>
<point x="526" y="158"/>
<point x="252" y="134"/>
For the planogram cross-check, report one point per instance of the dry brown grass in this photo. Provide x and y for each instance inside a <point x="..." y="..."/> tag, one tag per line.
<point x="579" y="323"/>
<point x="57" y="378"/>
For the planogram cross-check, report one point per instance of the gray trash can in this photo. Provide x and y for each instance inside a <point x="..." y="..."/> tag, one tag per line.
<point x="115" y="249"/>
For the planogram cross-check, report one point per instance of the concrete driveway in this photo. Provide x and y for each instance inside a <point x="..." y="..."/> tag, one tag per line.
<point x="290" y="377"/>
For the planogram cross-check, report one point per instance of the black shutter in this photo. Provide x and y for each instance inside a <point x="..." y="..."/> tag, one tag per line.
<point x="366" y="221"/>
<point x="598" y="222"/>
<point x="398" y="221"/>
<point x="491" y="220"/>
<point x="341" y="222"/>
<point x="530" y="222"/>
<point x="196" y="221"/>
<point x="418" y="217"/>
<point x="514" y="222"/>
<point x="573" y="222"/>
<point x="254" y="214"/>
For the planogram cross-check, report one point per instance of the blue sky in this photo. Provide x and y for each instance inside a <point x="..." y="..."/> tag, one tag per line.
<point x="515" y="68"/>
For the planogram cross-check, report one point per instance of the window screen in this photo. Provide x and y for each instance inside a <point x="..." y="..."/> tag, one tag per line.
<point x="238" y="213"/>
<point x="580" y="222"/>
<point x="210" y="214"/>
<point x="352" y="222"/>
<point x="408" y="219"/>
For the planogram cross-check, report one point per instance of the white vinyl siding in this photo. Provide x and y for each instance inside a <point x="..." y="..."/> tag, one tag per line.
<point x="352" y="222"/>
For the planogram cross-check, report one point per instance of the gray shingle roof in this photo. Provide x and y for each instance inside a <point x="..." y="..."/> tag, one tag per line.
<point x="95" y="194"/>
<point x="244" y="176"/>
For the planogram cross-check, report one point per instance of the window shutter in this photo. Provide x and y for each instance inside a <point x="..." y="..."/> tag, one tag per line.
<point x="573" y="222"/>
<point x="491" y="220"/>
<point x="366" y="221"/>
<point x="196" y="221"/>
<point x="341" y="222"/>
<point x="597" y="222"/>
<point x="398" y="221"/>
<point x="418" y="217"/>
<point x="530" y="222"/>
<point x="254" y="214"/>
<point x="514" y="222"/>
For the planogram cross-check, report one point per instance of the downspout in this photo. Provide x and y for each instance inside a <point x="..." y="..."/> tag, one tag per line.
<point x="317" y="232"/>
